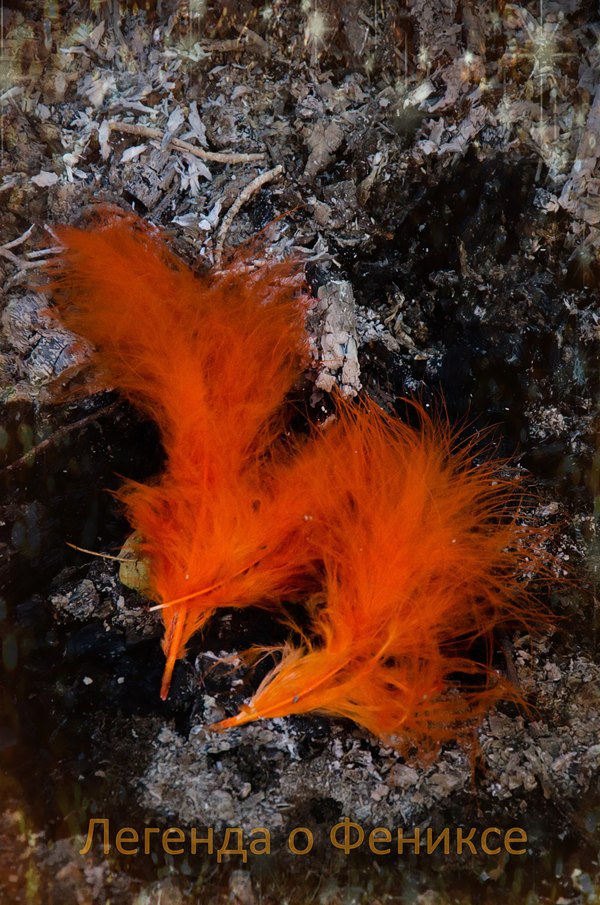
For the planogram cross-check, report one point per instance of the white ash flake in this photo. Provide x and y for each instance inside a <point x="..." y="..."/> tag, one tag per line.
<point x="44" y="179"/>
<point x="133" y="152"/>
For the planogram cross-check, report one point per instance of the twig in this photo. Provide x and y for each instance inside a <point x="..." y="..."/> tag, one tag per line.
<point x="5" y="253"/>
<point x="58" y="434"/>
<point x="51" y="250"/>
<point x="21" y="239"/>
<point x="52" y="233"/>
<point x="179" y="145"/>
<point x="224" y="46"/>
<point x="251" y="189"/>
<point x="21" y="265"/>
<point x="21" y="274"/>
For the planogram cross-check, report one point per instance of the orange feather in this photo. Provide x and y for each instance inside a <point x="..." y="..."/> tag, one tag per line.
<point x="211" y="360"/>
<point x="423" y="552"/>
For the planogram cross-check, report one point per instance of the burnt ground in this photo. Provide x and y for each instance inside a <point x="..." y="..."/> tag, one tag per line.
<point x="436" y="165"/>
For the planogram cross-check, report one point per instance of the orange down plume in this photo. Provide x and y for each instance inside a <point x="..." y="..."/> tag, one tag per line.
<point x="422" y="554"/>
<point x="211" y="360"/>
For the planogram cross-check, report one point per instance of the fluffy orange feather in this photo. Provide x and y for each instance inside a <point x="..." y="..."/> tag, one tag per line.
<point x="210" y="359"/>
<point x="423" y="553"/>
